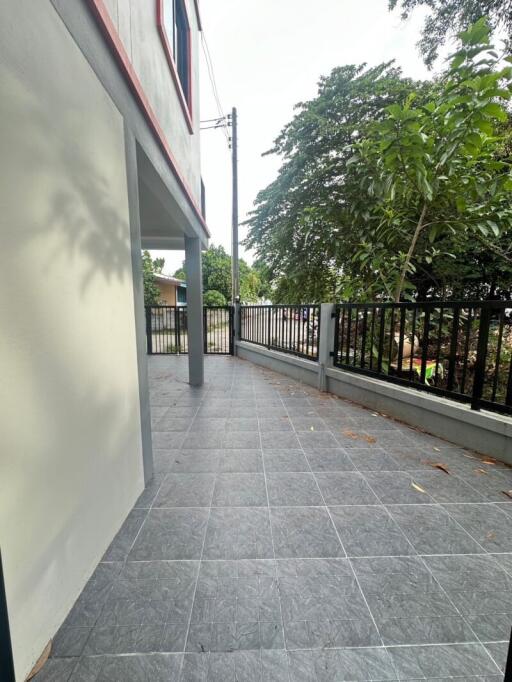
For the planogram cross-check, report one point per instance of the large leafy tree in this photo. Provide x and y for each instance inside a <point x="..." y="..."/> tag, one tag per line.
<point x="433" y="171"/>
<point x="476" y="273"/>
<point x="299" y="228"/>
<point x="216" y="267"/>
<point x="151" y="267"/>
<point x="427" y="184"/>
<point x="447" y="17"/>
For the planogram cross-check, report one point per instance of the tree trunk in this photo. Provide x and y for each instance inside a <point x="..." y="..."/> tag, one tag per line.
<point x="405" y="267"/>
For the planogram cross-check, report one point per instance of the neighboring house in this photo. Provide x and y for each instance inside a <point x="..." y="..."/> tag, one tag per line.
<point x="172" y="291"/>
<point x="99" y="158"/>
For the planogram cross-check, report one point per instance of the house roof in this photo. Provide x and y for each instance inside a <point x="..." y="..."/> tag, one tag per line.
<point x="171" y="280"/>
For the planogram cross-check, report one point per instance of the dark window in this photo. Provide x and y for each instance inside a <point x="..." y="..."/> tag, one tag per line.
<point x="182" y="295"/>
<point x="178" y="36"/>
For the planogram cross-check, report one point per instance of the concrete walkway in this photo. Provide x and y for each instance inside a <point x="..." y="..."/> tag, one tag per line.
<point x="289" y="535"/>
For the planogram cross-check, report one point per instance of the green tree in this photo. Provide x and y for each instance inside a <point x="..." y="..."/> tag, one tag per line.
<point x="433" y="171"/>
<point x="477" y="273"/>
<point x="216" y="267"/>
<point x="447" y="17"/>
<point x="265" y="292"/>
<point x="213" y="298"/>
<point x="346" y="208"/>
<point x="151" y="267"/>
<point x="299" y="229"/>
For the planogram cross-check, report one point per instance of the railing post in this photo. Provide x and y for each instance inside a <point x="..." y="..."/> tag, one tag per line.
<point x="177" y="331"/>
<point x="453" y="349"/>
<point x="236" y="312"/>
<point x="149" y="333"/>
<point x="325" y="343"/>
<point x="481" y="353"/>
<point x="205" y="331"/>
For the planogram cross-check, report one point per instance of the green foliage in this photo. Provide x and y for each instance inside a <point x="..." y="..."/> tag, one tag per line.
<point x="385" y="182"/>
<point x="151" y="267"/>
<point x="216" y="267"/>
<point x="298" y="228"/>
<point x="478" y="272"/>
<point x="446" y="17"/>
<point x="213" y="298"/>
<point x="432" y="170"/>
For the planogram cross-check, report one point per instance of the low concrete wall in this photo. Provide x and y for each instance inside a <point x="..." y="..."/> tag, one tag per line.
<point x="485" y="432"/>
<point x="297" y="368"/>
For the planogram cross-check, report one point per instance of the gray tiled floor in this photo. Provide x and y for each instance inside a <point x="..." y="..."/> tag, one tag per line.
<point x="291" y="536"/>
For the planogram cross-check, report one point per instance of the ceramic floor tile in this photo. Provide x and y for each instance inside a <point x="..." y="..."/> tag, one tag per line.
<point x="186" y="490"/>
<point x="304" y="532"/>
<point x="369" y="531"/>
<point x="171" y="534"/>
<point x="286" y="489"/>
<point x="486" y="523"/>
<point x="238" y="533"/>
<point x="431" y="530"/>
<point x="240" y="490"/>
<point x="345" y="488"/>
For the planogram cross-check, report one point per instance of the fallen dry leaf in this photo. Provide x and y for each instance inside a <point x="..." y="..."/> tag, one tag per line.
<point x="369" y="439"/>
<point x="441" y="466"/>
<point x="508" y="493"/>
<point x="418" y="488"/>
<point x="350" y="434"/>
<point x="436" y="449"/>
<point x="491" y="535"/>
<point x="489" y="461"/>
<point x="481" y="471"/>
<point x="41" y="661"/>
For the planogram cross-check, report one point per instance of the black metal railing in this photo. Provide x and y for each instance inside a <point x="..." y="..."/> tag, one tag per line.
<point x="167" y="330"/>
<point x="461" y="350"/>
<point x="293" y="329"/>
<point x="218" y="330"/>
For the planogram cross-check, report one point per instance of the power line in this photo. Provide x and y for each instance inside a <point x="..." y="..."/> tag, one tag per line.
<point x="212" y="120"/>
<point x="215" y="127"/>
<point x="211" y="75"/>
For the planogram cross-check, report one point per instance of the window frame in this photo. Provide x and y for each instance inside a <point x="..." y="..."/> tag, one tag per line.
<point x="185" y="98"/>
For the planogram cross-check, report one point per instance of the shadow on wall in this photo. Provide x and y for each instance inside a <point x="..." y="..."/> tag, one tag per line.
<point x="90" y="223"/>
<point x="77" y="187"/>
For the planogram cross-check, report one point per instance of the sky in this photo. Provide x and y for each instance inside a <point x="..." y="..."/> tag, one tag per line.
<point x="267" y="56"/>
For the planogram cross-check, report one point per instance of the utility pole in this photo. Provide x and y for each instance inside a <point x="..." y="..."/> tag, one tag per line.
<point x="235" y="275"/>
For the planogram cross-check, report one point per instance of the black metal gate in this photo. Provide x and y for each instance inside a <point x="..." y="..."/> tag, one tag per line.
<point x="167" y="330"/>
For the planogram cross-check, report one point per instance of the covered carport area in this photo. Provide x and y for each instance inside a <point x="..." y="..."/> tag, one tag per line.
<point x="165" y="225"/>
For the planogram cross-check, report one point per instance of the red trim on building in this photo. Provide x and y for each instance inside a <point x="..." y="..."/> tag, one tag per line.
<point x="102" y="15"/>
<point x="185" y="98"/>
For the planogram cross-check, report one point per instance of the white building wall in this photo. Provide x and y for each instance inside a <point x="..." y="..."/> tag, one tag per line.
<point x="70" y="451"/>
<point x="136" y="23"/>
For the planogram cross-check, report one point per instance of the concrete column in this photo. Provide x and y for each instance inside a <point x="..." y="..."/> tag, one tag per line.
<point x="138" y="301"/>
<point x="326" y="344"/>
<point x="194" y="311"/>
